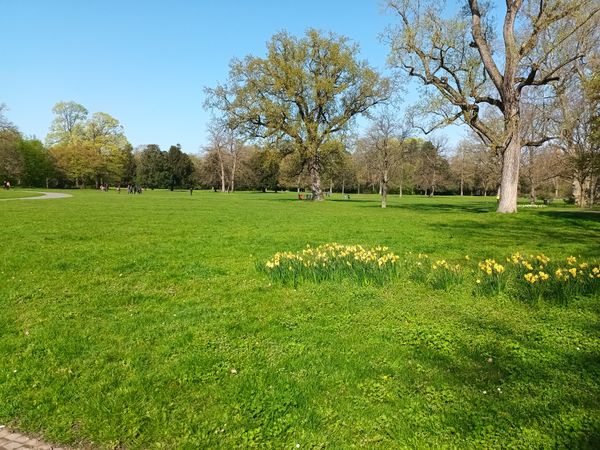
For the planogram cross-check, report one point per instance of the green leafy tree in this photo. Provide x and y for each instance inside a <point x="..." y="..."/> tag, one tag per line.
<point x="153" y="167"/>
<point x="306" y="90"/>
<point x="102" y="134"/>
<point x="38" y="166"/>
<point x="106" y="135"/>
<point x="180" y="167"/>
<point x="75" y="162"/>
<point x="264" y="167"/>
<point x="11" y="159"/>
<point x="68" y="124"/>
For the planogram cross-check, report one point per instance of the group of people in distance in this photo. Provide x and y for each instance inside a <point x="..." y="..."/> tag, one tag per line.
<point x="6" y="185"/>
<point x="134" y="189"/>
<point x="131" y="188"/>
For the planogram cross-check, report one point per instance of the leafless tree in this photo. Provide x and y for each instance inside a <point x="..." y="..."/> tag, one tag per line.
<point x="472" y="69"/>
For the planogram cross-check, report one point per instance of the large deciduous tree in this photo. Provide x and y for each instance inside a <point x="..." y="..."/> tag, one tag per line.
<point x="180" y="167"/>
<point x="305" y="90"/>
<point x="68" y="123"/>
<point x="472" y="69"/>
<point x="11" y="160"/>
<point x="152" y="167"/>
<point x="105" y="153"/>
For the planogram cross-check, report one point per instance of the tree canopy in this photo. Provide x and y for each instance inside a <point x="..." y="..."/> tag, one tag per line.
<point x="306" y="90"/>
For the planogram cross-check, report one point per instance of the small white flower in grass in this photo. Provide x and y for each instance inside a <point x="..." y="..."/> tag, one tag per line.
<point x="233" y="371"/>
<point x="485" y="392"/>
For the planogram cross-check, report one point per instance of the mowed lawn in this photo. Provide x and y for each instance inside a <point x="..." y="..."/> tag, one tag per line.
<point x="142" y="322"/>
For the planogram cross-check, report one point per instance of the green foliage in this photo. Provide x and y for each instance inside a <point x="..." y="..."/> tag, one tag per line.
<point x="264" y="166"/>
<point x="68" y="125"/>
<point x="38" y="165"/>
<point x="592" y="93"/>
<point x="88" y="151"/>
<point x="11" y="159"/>
<point x="152" y="167"/>
<point x="180" y="168"/>
<point x="306" y="90"/>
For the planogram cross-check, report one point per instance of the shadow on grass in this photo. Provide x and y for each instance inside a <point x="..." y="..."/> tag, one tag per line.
<point x="509" y="363"/>
<point x="573" y="215"/>
<point x="477" y="208"/>
<point x="509" y="235"/>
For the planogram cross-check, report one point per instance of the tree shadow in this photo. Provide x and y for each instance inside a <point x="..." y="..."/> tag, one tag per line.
<point x="573" y="215"/>
<point x="512" y="360"/>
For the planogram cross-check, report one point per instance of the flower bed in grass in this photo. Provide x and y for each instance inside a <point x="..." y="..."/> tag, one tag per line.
<point x="532" y="277"/>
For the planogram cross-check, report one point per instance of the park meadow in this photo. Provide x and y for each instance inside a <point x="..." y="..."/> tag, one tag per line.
<point x="149" y="321"/>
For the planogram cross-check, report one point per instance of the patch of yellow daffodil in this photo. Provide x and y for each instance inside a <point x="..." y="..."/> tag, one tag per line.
<point x="526" y="276"/>
<point x="491" y="267"/>
<point x="333" y="260"/>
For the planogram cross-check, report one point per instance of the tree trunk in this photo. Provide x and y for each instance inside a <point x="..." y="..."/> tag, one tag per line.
<point x="384" y="190"/>
<point x="462" y="172"/>
<point x="223" y="187"/>
<point x="233" y="168"/>
<point x="509" y="184"/>
<point x="315" y="180"/>
<point x="593" y="186"/>
<point x="343" y="184"/>
<point x="579" y="187"/>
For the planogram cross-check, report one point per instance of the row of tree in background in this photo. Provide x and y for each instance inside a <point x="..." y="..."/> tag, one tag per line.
<point x="530" y="99"/>
<point x="82" y="152"/>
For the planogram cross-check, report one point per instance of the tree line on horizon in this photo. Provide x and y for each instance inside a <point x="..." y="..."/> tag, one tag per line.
<point x="287" y="120"/>
<point x="82" y="152"/>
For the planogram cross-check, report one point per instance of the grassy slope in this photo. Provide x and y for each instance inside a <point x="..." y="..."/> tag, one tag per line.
<point x="140" y="321"/>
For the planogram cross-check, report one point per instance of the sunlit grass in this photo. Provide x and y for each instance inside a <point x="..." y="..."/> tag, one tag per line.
<point x="141" y="322"/>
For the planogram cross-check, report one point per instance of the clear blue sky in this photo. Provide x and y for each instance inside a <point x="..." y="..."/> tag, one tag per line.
<point x="146" y="62"/>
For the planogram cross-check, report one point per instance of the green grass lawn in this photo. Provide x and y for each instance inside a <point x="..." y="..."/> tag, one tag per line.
<point x="142" y="322"/>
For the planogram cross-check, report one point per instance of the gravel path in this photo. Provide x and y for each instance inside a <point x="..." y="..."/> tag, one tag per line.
<point x="44" y="196"/>
<point x="15" y="441"/>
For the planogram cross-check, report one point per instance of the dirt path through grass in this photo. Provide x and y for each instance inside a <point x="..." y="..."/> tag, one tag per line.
<point x="44" y="196"/>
